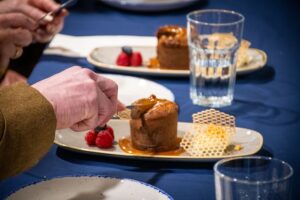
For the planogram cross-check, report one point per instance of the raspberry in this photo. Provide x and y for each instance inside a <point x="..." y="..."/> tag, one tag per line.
<point x="104" y="139"/>
<point x="110" y="130"/>
<point x="90" y="138"/>
<point x="127" y="50"/>
<point x="136" y="59"/>
<point x="123" y="59"/>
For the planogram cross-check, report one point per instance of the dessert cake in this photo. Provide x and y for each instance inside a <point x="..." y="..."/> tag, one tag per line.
<point x="153" y="125"/>
<point x="172" y="47"/>
<point x="242" y="56"/>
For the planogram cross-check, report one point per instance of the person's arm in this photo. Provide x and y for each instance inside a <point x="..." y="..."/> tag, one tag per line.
<point x="75" y="98"/>
<point x="27" y="128"/>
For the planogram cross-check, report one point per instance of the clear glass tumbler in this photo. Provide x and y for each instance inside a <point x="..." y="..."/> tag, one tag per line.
<point x="214" y="37"/>
<point x="251" y="178"/>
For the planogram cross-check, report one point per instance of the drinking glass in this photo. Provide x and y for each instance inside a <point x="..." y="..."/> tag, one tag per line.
<point x="254" y="177"/>
<point x="214" y="37"/>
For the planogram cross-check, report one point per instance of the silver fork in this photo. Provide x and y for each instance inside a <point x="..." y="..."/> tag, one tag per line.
<point x="54" y="13"/>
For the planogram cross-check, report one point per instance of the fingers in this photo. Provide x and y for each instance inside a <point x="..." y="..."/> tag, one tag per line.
<point x="106" y="100"/>
<point x="78" y="100"/>
<point x="100" y="117"/>
<point x="120" y="106"/>
<point x="45" y="32"/>
<point x="19" y="36"/>
<point x="37" y="9"/>
<point x="108" y="86"/>
<point x="16" y="20"/>
<point x="12" y="41"/>
<point x="46" y="6"/>
<point x="31" y="11"/>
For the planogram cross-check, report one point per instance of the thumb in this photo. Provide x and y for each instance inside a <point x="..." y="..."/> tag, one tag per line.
<point x="120" y="106"/>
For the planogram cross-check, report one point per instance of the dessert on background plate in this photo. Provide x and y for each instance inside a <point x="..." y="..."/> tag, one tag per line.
<point x="172" y="48"/>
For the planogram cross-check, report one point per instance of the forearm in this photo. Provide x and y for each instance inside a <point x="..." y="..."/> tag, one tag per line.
<point x="28" y="125"/>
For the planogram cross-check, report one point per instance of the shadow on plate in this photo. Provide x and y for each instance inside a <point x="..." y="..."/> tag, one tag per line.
<point x="265" y="151"/>
<point x="138" y="164"/>
<point x="264" y="75"/>
<point x="97" y="5"/>
<point x="200" y="4"/>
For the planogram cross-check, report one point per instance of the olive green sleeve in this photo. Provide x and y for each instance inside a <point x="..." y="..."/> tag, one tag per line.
<point x="27" y="128"/>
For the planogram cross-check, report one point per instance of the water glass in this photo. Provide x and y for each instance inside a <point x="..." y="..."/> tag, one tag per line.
<point x="214" y="37"/>
<point x="254" y="177"/>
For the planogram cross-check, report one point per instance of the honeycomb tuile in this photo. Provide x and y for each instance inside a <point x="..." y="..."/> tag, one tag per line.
<point x="211" y="134"/>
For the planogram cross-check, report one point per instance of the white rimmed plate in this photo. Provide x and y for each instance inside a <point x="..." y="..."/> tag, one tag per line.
<point x="131" y="88"/>
<point x="250" y="140"/>
<point x="90" y="187"/>
<point x="105" y="57"/>
<point x="149" y="5"/>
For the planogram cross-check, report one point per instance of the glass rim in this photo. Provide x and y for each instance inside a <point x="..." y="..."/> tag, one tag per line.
<point x="291" y="172"/>
<point x="242" y="18"/>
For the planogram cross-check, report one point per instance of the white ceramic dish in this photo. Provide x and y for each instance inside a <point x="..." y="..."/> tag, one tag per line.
<point x="131" y="88"/>
<point x="89" y="187"/>
<point x="104" y="58"/>
<point x="250" y="140"/>
<point x="149" y="5"/>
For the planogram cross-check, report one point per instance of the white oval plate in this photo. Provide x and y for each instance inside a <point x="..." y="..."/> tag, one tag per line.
<point x="90" y="187"/>
<point x="104" y="58"/>
<point x="131" y="88"/>
<point x="250" y="140"/>
<point x="149" y="5"/>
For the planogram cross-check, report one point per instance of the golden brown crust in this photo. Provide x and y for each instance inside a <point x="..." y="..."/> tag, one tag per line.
<point x="172" y="36"/>
<point x="156" y="129"/>
<point x="172" y="47"/>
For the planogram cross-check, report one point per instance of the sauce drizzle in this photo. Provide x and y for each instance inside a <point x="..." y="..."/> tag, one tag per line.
<point x="126" y="146"/>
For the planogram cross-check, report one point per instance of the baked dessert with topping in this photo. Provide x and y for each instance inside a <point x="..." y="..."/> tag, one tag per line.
<point x="153" y="125"/>
<point x="242" y="56"/>
<point x="172" y="47"/>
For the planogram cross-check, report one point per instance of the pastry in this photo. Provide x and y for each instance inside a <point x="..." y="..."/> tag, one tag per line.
<point x="172" y="48"/>
<point x="153" y="125"/>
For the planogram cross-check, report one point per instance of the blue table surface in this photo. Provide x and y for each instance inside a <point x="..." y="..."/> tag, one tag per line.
<point x="266" y="101"/>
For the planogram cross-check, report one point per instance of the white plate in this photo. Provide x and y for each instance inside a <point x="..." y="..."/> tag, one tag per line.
<point x="85" y="187"/>
<point x="250" y="140"/>
<point x="104" y="58"/>
<point x="131" y="88"/>
<point x="149" y="5"/>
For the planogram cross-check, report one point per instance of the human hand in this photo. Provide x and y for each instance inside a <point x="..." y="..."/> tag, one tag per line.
<point x="36" y="9"/>
<point x="12" y="40"/>
<point x="81" y="98"/>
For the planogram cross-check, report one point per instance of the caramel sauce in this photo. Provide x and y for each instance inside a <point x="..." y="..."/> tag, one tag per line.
<point x="126" y="146"/>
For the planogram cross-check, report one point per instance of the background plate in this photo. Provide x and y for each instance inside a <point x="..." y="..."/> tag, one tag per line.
<point x="105" y="57"/>
<point x="149" y="5"/>
<point x="90" y="188"/>
<point x="250" y="140"/>
<point x="131" y="88"/>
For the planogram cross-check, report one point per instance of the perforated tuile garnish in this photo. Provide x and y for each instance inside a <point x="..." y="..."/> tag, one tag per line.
<point x="211" y="134"/>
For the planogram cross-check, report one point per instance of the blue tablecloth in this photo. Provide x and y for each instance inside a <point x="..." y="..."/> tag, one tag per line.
<point x="266" y="101"/>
